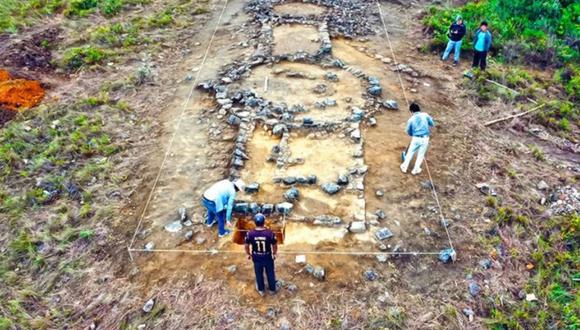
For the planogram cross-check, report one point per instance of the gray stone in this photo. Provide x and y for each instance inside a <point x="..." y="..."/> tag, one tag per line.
<point x="242" y="208"/>
<point x="383" y="233"/>
<point x="447" y="255"/>
<point x="474" y="288"/>
<point x="379" y="193"/>
<point x="291" y="287"/>
<point x="343" y="180"/>
<point x="330" y="188"/>
<point x="542" y="185"/>
<point x="331" y="76"/>
<point x="329" y="102"/>
<point x="326" y="220"/>
<point x="319" y="273"/>
<point x="355" y="135"/>
<point x="284" y="208"/>
<point x="375" y="90"/>
<point x="372" y="121"/>
<point x="174" y="227"/>
<point x="374" y="81"/>
<point x="148" y="307"/>
<point x="232" y="269"/>
<point x="234" y="120"/>
<point x="357" y="227"/>
<point x="312" y="179"/>
<point x="254" y="208"/>
<point x="391" y="104"/>
<point x="289" y="180"/>
<point x="485" y="264"/>
<point x="380" y="214"/>
<point x="182" y="212"/>
<point x="382" y="258"/>
<point x="267" y="209"/>
<point x="486" y="189"/>
<point x="252" y="188"/>
<point x="188" y="235"/>
<point x="149" y="246"/>
<point x="370" y="275"/>
<point x="279" y="129"/>
<point x="291" y="195"/>
<point x="357" y="114"/>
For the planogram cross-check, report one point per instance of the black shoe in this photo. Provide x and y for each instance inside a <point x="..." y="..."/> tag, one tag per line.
<point x="455" y="63"/>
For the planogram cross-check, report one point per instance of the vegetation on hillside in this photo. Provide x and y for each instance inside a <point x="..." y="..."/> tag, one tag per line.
<point x="540" y="33"/>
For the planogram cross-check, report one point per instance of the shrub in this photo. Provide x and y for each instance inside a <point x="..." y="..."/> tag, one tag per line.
<point x="75" y="58"/>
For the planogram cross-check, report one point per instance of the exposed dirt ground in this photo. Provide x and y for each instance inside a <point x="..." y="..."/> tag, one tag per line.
<point x="216" y="290"/>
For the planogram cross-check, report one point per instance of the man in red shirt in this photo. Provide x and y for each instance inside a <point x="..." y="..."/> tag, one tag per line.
<point x="263" y="253"/>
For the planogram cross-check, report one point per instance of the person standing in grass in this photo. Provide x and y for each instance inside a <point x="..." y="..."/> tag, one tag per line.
<point x="261" y="247"/>
<point x="481" y="45"/>
<point x="457" y="31"/>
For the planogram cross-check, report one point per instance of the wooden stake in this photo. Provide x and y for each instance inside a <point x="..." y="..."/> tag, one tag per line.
<point x="515" y="116"/>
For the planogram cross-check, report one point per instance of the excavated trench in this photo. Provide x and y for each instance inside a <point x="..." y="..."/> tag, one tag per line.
<point x="302" y="106"/>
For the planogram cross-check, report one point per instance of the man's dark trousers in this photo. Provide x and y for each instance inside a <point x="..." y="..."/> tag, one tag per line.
<point x="479" y="59"/>
<point x="265" y="265"/>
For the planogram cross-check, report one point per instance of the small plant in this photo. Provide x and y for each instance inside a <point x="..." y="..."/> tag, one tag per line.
<point x="538" y="153"/>
<point x="75" y="58"/>
<point x="85" y="211"/>
<point x="491" y="201"/>
<point x="86" y="234"/>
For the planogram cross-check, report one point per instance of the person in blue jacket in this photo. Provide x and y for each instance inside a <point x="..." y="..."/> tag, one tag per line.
<point x="219" y="203"/>
<point x="481" y="46"/>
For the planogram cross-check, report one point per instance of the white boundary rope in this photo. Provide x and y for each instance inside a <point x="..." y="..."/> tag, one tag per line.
<point x="443" y="222"/>
<point x="281" y="252"/>
<point x="172" y="140"/>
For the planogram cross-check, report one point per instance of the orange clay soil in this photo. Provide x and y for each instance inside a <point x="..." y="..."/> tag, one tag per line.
<point x="4" y="75"/>
<point x="20" y="94"/>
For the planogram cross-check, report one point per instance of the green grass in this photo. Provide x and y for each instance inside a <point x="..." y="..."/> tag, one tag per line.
<point x="77" y="57"/>
<point x="554" y="280"/>
<point x="117" y="35"/>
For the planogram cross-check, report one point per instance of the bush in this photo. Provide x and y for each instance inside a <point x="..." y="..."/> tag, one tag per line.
<point x="75" y="58"/>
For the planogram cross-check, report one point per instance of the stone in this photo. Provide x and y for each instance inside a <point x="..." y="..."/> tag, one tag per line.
<point x="319" y="273"/>
<point x="383" y="234"/>
<point x="174" y="227"/>
<point x="469" y="313"/>
<point x="307" y="122"/>
<point x="182" y="212"/>
<point x="330" y="188"/>
<point x="289" y="180"/>
<point x="379" y="193"/>
<point x="279" y="129"/>
<point x="291" y="287"/>
<point x="291" y="195"/>
<point x="329" y="102"/>
<point x="188" y="235"/>
<point x="343" y="180"/>
<point x="370" y="275"/>
<point x="531" y="297"/>
<point x="252" y="188"/>
<point x="375" y="90"/>
<point x="149" y="246"/>
<point x="232" y="269"/>
<point x="357" y="227"/>
<point x="284" y="208"/>
<point x="331" y="76"/>
<point x="254" y="208"/>
<point x="380" y="214"/>
<point x="474" y="288"/>
<point x="485" y="264"/>
<point x="357" y="114"/>
<point x="234" y="120"/>
<point x="391" y="104"/>
<point x="326" y="220"/>
<point x="148" y="307"/>
<point x="382" y="258"/>
<point x="448" y="255"/>
<point x="362" y="170"/>
<point x="267" y="209"/>
<point x="312" y="179"/>
<point x="486" y="189"/>
<point x="374" y="81"/>
<point x="372" y="122"/>
<point x="542" y="185"/>
<point x="242" y="208"/>
<point x="355" y="135"/>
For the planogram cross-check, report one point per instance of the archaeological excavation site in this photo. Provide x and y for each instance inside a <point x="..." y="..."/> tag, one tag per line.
<point x="129" y="128"/>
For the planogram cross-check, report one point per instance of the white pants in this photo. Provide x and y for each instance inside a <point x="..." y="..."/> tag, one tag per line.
<point x="418" y="145"/>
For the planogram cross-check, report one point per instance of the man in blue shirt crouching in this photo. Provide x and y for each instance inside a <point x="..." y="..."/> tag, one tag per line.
<point x="419" y="128"/>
